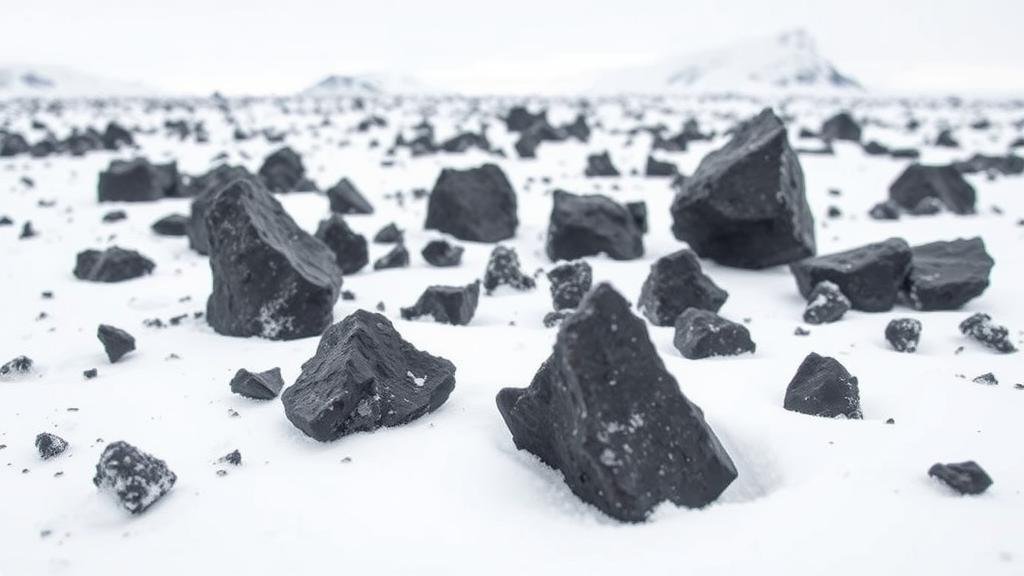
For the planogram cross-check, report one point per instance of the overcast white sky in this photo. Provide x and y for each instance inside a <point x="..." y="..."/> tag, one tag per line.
<point x="257" y="46"/>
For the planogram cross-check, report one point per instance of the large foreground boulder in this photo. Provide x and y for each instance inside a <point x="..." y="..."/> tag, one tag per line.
<point x="944" y="183"/>
<point x="270" y="278"/>
<point x="676" y="282"/>
<point x="745" y="204"/>
<point x="364" y="376"/>
<point x="605" y="412"/>
<point x="111" y="265"/>
<point x="947" y="275"/>
<point x="477" y="204"/>
<point x="823" y="387"/>
<point x="203" y="189"/>
<point x="591" y="224"/>
<point x="135" y="478"/>
<point x="869" y="276"/>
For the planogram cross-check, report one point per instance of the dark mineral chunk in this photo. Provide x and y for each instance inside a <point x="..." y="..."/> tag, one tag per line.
<point x="345" y="198"/>
<point x="944" y="183"/>
<point x="1009" y="165"/>
<point x="282" y="171"/>
<point x="823" y="387"/>
<point x="945" y="139"/>
<point x="675" y="283"/>
<point x="477" y="204"/>
<point x="639" y="212"/>
<point x="389" y="234"/>
<point x="988" y="379"/>
<point x="442" y="253"/>
<point x="825" y="304"/>
<point x="397" y="257"/>
<point x="258" y="385"/>
<point x="887" y="210"/>
<point x="964" y="477"/>
<point x="446" y="304"/>
<point x="350" y="251"/>
<point x="947" y="275"/>
<point x="903" y="334"/>
<point x="16" y="367"/>
<point x="980" y="327"/>
<point x="111" y="265"/>
<point x="703" y="334"/>
<point x="600" y="165"/>
<point x="131" y="181"/>
<point x="114" y="216"/>
<point x="842" y="126"/>
<point x="171" y="225"/>
<point x="657" y="168"/>
<point x="591" y="224"/>
<point x="234" y="458"/>
<point x="503" y="269"/>
<point x="569" y="283"/>
<point x="116" y="342"/>
<point x="870" y="276"/>
<point x="50" y="445"/>
<point x="552" y="319"/>
<point x="203" y="188"/>
<point x="137" y="479"/>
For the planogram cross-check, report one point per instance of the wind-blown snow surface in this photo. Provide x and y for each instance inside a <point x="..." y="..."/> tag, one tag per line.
<point x="449" y="493"/>
<point x="23" y="81"/>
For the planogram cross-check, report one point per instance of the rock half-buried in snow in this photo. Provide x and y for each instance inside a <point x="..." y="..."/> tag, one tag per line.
<point x="605" y="412"/>
<point x="364" y="376"/>
<point x="745" y="205"/>
<point x="137" y="479"/>
<point x="270" y="278"/>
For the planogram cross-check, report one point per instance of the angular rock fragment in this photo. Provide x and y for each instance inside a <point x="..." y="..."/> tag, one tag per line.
<point x="944" y="183"/>
<point x="364" y="376"/>
<point x="16" y="367"/>
<point x="825" y="304"/>
<point x="988" y="379"/>
<point x="887" y="210"/>
<point x="111" y="265"/>
<point x="397" y="257"/>
<point x="520" y="118"/>
<point x="350" y="251"/>
<point x="703" y="334"/>
<point x="116" y="342"/>
<point x="203" y="189"/>
<point x="234" y="458"/>
<point x="600" y="165"/>
<point x="675" y="283"/>
<point x="136" y="478"/>
<point x="477" y="204"/>
<point x="658" y="168"/>
<point x="282" y="171"/>
<point x="50" y="445"/>
<point x="389" y="234"/>
<point x="270" y="278"/>
<point x="569" y="283"/>
<point x="842" y="126"/>
<point x="1008" y="165"/>
<point x="131" y="181"/>
<point x="114" y="216"/>
<point x="257" y="385"/>
<point x="964" y="477"/>
<point x="503" y="269"/>
<point x="947" y="275"/>
<point x="945" y="139"/>
<point x="446" y="304"/>
<point x="345" y="198"/>
<point x="745" y="205"/>
<point x="552" y="319"/>
<point x="869" y="276"/>
<point x="591" y="224"/>
<point x="639" y="212"/>
<point x="605" y="412"/>
<point x="980" y="327"/>
<point x="171" y="225"/>
<point x="823" y="387"/>
<point x="903" y="334"/>
<point x="442" y="253"/>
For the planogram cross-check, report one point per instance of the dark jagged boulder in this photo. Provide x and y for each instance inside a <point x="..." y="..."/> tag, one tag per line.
<point x="675" y="283"/>
<point x="903" y="334"/>
<point x="947" y="275"/>
<point x="870" y="276"/>
<point x="578" y="129"/>
<point x="569" y="283"/>
<point x="446" y="304"/>
<point x="1009" y="165"/>
<point x="203" y="189"/>
<point x="442" y="253"/>
<point x="389" y="234"/>
<point x="605" y="412"/>
<point x="465" y="141"/>
<point x="532" y="137"/>
<point x="591" y="224"/>
<point x="365" y="376"/>
<point x="823" y="387"/>
<point x="137" y="479"/>
<point x="703" y="334"/>
<point x="171" y="225"/>
<point x="257" y="385"/>
<point x="964" y="477"/>
<point x="600" y="165"/>
<point x="111" y="265"/>
<point x="116" y="342"/>
<point x="825" y="304"/>
<point x="397" y="257"/>
<point x="12" y="144"/>
<point x="980" y="327"/>
<point x="503" y="269"/>
<point x="131" y="181"/>
<point x="555" y="318"/>
<point x="944" y="183"/>
<point x="116" y="136"/>
<point x="638" y="210"/>
<point x="945" y="139"/>
<point x="50" y="445"/>
<point x="345" y="198"/>
<point x="520" y="118"/>
<point x="283" y="171"/>
<point x="745" y="205"/>
<point x="842" y="126"/>
<point x="657" y="168"/>
<point x="270" y="278"/>
<point x="477" y="204"/>
<point x="350" y="251"/>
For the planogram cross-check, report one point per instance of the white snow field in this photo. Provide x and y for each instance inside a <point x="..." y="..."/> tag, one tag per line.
<point x="449" y="493"/>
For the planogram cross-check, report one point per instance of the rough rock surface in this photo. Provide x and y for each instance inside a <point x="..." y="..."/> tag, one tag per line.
<point x="16" y="367"/>
<point x="111" y="265"/>
<point x="823" y="387"/>
<point x="658" y="168"/>
<point x="638" y="210"/>
<point x="964" y="477"/>
<point x="116" y="342"/>
<point x="503" y="269"/>
<point x="600" y="165"/>
<point x="283" y="171"/>
<point x="350" y="251"/>
<point x="364" y="376"/>
<point x="477" y="204"/>
<point x="980" y="327"/>
<point x="569" y="282"/>
<point x="842" y="126"/>
<point x="903" y="334"/>
<point x="345" y="198"/>
<point x="204" y="189"/>
<point x="703" y="334"/>
<point x="270" y="278"/>
<point x="389" y="234"/>
<point x="446" y="304"/>
<point x="944" y="183"/>
<point x="745" y="204"/>
<point x="397" y="257"/>
<point x="50" y="445"/>
<point x="947" y="275"/>
<point x="676" y="282"/>
<point x="259" y="385"/>
<point x="137" y="479"/>
<point x="130" y="181"/>
<point x="870" y="276"/>
<point x="442" y="253"/>
<point x="591" y="224"/>
<point x="825" y="304"/>
<point x="605" y="412"/>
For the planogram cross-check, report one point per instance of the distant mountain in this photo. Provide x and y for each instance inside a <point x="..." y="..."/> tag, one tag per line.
<point x="788" y="62"/>
<point x="20" y="81"/>
<point x="364" y="85"/>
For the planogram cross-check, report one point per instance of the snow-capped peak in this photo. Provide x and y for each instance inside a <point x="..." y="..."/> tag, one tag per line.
<point x="21" y="81"/>
<point x="362" y="85"/>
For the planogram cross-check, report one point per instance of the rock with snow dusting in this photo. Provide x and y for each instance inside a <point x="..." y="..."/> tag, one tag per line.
<point x="364" y="376"/>
<point x="570" y="281"/>
<point x="703" y="334"/>
<point x="675" y="283"/>
<point x="869" y="276"/>
<point x="136" y="478"/>
<point x="605" y="412"/>
<point x="16" y="367"/>
<point x="591" y="224"/>
<point x="944" y="183"/>
<point x="947" y="275"/>
<point x="345" y="198"/>
<point x="111" y="265"/>
<point x="350" y="251"/>
<point x="980" y="327"/>
<point x="823" y="387"/>
<point x="825" y="304"/>
<point x="50" y="445"/>
<point x="442" y="253"/>
<point x="257" y="385"/>
<point x="964" y="477"/>
<point x="503" y="269"/>
<point x="477" y="204"/>
<point x="446" y="304"/>
<point x="116" y="342"/>
<point x="903" y="334"/>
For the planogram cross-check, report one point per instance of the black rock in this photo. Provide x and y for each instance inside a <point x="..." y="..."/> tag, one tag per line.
<point x="657" y="168"/>
<point x="27" y="231"/>
<point x="944" y="183"/>
<point x="397" y="257"/>
<point x="270" y="278"/>
<point x="137" y="479"/>
<point x="870" y="276"/>
<point x="520" y="118"/>
<point x="345" y="198"/>
<point x="703" y="334"/>
<point x="6" y="221"/>
<point x="578" y="129"/>
<point x="745" y="205"/>
<point x="605" y="412"/>
<point x="823" y="387"/>
<point x="1009" y="165"/>
<point x="988" y="379"/>
<point x="875" y="148"/>
<point x="552" y="319"/>
<point x="945" y="140"/>
<point x="50" y="445"/>
<point x="638" y="210"/>
<point x="980" y="327"/>
<point x="116" y="136"/>
<point x="111" y="265"/>
<point x="16" y="367"/>
<point x="600" y="165"/>
<point x="825" y="304"/>
<point x="446" y="304"/>
<point x="204" y="188"/>
<point x="947" y="275"/>
<point x="350" y="251"/>
<point x="569" y="283"/>
<point x="675" y="283"/>
<point x="282" y="171"/>
<point x="114" y="216"/>
<point x="842" y="126"/>
<point x="887" y="210"/>
<point x="90" y="373"/>
<point x="532" y="137"/>
<point x="171" y="225"/>
<point x="591" y="224"/>
<point x="903" y="334"/>
<point x="964" y="477"/>
<point x="12" y="144"/>
<point x="442" y="253"/>
<point x="116" y="342"/>
<point x="503" y="269"/>
<point x="234" y="458"/>
<point x="928" y="206"/>
<point x="258" y="385"/>
<point x="477" y="204"/>
<point x="364" y="376"/>
<point x="131" y="181"/>
<point x="389" y="234"/>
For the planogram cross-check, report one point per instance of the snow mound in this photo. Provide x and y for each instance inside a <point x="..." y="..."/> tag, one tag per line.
<point x="21" y="81"/>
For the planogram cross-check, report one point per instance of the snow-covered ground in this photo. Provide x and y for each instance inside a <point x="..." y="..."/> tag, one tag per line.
<point x="449" y="493"/>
